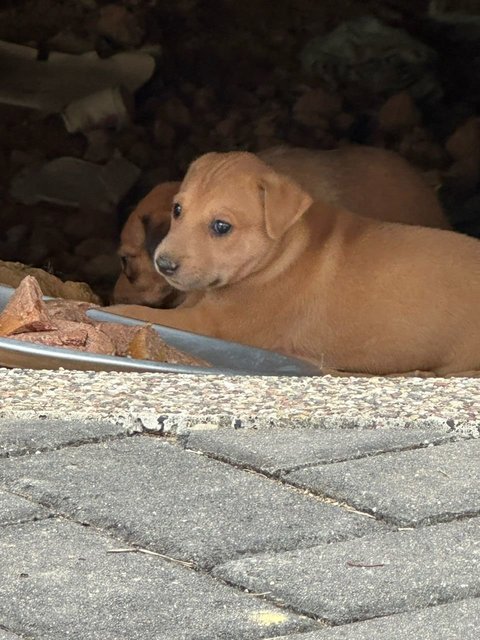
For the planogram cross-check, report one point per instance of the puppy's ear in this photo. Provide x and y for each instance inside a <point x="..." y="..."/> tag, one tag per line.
<point x="284" y="202"/>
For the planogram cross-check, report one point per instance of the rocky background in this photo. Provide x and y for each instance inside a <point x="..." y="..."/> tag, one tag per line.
<point x="227" y="75"/>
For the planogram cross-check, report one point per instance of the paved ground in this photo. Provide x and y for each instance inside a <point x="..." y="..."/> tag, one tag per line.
<point x="192" y="526"/>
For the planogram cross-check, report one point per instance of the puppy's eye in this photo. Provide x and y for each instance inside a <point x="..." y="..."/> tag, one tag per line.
<point x="177" y="210"/>
<point x="124" y="261"/>
<point x="220" y="227"/>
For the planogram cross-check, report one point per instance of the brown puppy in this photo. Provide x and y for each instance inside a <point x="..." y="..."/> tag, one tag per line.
<point x="365" y="180"/>
<point x="146" y="226"/>
<point x="313" y="280"/>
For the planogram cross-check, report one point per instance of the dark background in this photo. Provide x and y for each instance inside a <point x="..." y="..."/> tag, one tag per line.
<point x="230" y="76"/>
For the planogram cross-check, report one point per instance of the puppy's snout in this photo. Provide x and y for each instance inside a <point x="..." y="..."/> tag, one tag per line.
<point x="166" y="265"/>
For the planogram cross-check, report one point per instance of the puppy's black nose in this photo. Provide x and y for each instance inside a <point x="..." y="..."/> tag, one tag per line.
<point x="166" y="265"/>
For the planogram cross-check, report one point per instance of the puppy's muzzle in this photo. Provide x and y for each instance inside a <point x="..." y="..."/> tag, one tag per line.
<point x="166" y="265"/>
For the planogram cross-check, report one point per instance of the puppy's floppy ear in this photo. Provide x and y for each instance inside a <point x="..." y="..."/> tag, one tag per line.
<point x="284" y="202"/>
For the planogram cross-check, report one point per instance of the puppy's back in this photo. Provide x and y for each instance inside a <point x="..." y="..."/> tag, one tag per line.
<point x="371" y="182"/>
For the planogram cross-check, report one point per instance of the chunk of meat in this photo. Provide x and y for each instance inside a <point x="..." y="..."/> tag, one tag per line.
<point x="72" y="334"/>
<point x="45" y="338"/>
<point x="78" y="337"/>
<point x="26" y="310"/>
<point x="67" y="334"/>
<point x="148" y="345"/>
<point x="64" y="323"/>
<point x="70" y="310"/>
<point x="99" y="342"/>
<point x="120" y="334"/>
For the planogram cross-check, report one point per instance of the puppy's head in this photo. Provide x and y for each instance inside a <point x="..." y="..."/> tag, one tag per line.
<point x="228" y="219"/>
<point x="147" y="225"/>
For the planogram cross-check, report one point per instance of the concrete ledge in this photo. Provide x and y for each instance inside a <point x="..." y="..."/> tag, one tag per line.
<point x="180" y="403"/>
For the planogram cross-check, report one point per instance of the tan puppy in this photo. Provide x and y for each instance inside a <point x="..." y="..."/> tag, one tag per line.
<point x="314" y="280"/>
<point x="365" y="180"/>
<point x="372" y="182"/>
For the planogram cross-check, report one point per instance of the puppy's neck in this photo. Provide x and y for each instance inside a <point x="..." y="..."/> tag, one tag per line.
<point x="283" y="255"/>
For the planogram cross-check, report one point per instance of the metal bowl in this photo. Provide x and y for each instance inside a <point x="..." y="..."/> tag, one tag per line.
<point x="227" y="358"/>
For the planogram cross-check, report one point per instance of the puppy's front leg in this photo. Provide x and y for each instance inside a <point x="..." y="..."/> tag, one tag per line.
<point x="188" y="319"/>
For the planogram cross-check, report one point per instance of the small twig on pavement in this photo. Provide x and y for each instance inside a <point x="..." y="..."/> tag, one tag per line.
<point x="360" y="513"/>
<point x="351" y="563"/>
<point x="185" y="563"/>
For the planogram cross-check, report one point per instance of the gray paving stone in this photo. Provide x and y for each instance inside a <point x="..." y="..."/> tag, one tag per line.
<point x="59" y="581"/>
<point x="456" y="621"/>
<point x="274" y="450"/>
<point x="23" y="436"/>
<point x="375" y="576"/>
<point x="408" y="487"/>
<point x="6" y="635"/>
<point x="17" y="509"/>
<point x="178" y="502"/>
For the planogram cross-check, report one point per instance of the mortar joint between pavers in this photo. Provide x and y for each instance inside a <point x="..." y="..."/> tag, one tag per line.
<point x="68" y="445"/>
<point x="279" y="480"/>
<point x="26" y="521"/>
<point x="19" y="634"/>
<point x="278" y="603"/>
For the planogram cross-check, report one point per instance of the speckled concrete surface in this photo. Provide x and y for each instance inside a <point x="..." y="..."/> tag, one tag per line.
<point x="178" y="403"/>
